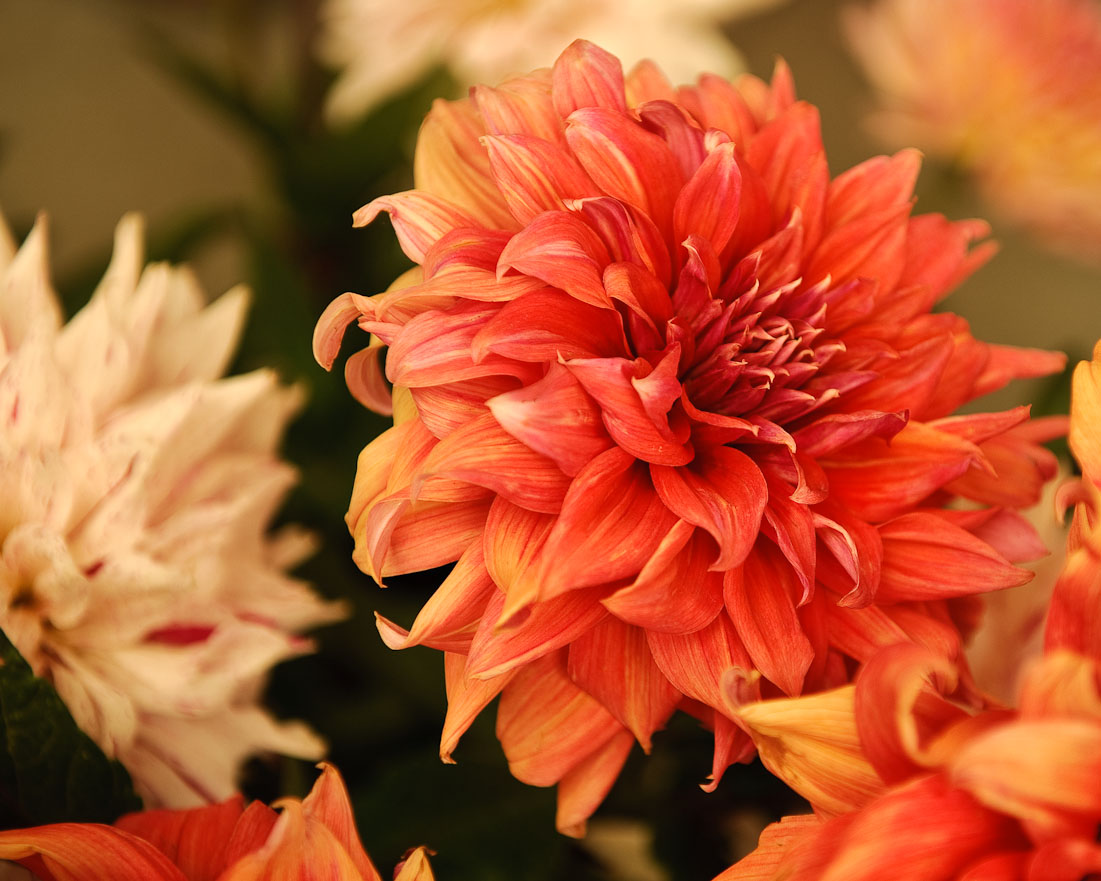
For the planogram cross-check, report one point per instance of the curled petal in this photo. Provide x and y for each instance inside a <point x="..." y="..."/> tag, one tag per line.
<point x="582" y="789"/>
<point x="419" y="218"/>
<point x="82" y="851"/>
<point x="812" y="744"/>
<point x="723" y="492"/>
<point x="696" y="662"/>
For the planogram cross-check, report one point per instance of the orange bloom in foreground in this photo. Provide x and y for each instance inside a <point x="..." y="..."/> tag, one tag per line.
<point x="910" y="784"/>
<point x="311" y="839"/>
<point x="675" y="403"/>
<point x="1010" y="90"/>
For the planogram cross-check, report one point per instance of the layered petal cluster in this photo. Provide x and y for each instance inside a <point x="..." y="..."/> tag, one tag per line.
<point x="381" y="48"/>
<point x="312" y="838"/>
<point x="1009" y="90"/>
<point x="910" y="782"/>
<point x="673" y="402"/>
<point x="136" y="574"/>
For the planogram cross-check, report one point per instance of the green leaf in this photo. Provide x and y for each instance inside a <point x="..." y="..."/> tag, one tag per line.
<point x="50" y="770"/>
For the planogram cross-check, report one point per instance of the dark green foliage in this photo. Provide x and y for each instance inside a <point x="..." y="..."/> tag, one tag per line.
<point x="50" y="770"/>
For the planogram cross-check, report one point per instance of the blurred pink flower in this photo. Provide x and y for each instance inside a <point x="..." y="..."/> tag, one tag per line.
<point x="676" y="403"/>
<point x="135" y="570"/>
<point x="381" y="47"/>
<point x="1008" y="89"/>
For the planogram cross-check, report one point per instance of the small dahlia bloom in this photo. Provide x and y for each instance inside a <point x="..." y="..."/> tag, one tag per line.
<point x="909" y="781"/>
<point x="312" y="838"/>
<point x="1010" y="90"/>
<point x="135" y="569"/>
<point x="381" y="48"/>
<point x="673" y="402"/>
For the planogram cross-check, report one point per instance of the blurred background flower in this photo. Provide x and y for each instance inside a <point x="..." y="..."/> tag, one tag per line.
<point x="134" y="566"/>
<point x="207" y="115"/>
<point x="382" y="48"/>
<point x="1008" y="91"/>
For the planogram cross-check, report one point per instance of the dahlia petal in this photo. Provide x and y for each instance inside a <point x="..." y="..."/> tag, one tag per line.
<point x="80" y="851"/>
<point x="559" y="248"/>
<point x="630" y="237"/>
<point x="328" y="804"/>
<point x="901" y="706"/>
<point x="252" y="829"/>
<point x="435" y="347"/>
<point x="420" y="219"/>
<point x="812" y="744"/>
<point x="626" y="161"/>
<point x="556" y="417"/>
<point x="546" y="739"/>
<point x="450" y="166"/>
<point x="513" y="539"/>
<point x="683" y="135"/>
<point x="773" y="850"/>
<point x="194" y="840"/>
<point x="521" y="105"/>
<point x="415" y="866"/>
<point x="646" y="82"/>
<point x="465" y="249"/>
<point x="433" y="534"/>
<point x="694" y="300"/>
<point x="612" y="662"/>
<point x="610" y="503"/>
<point x="882" y="480"/>
<point x="707" y="205"/>
<point x="440" y="292"/>
<point x="787" y="153"/>
<point x="695" y="662"/>
<point x="759" y="599"/>
<point x="1011" y="362"/>
<point x="980" y="427"/>
<point x="792" y="527"/>
<point x="1019" y="468"/>
<point x="1009" y="533"/>
<point x="732" y="745"/>
<point x="548" y="626"/>
<point x="444" y="408"/>
<point x="1075" y="604"/>
<point x="647" y="299"/>
<point x="297" y="848"/>
<point x="585" y="75"/>
<point x="330" y="328"/>
<point x="925" y="557"/>
<point x="449" y="619"/>
<point x="483" y="453"/>
<point x="1086" y="395"/>
<point x="830" y="433"/>
<point x="857" y="548"/>
<point x="1043" y="771"/>
<point x="631" y="406"/>
<point x="466" y="698"/>
<point x="535" y="175"/>
<point x="547" y="325"/>
<point x="908" y="382"/>
<point x="939" y="255"/>
<point x="869" y="246"/>
<point x="674" y="592"/>
<point x="583" y="788"/>
<point x="861" y="632"/>
<point x="930" y="816"/>
<point x="722" y="491"/>
<point x="364" y="377"/>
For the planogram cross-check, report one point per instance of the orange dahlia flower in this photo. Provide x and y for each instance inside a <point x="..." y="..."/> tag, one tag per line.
<point x="1010" y="90"/>
<point x="910" y="783"/>
<point x="314" y="838"/>
<point x="673" y="402"/>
